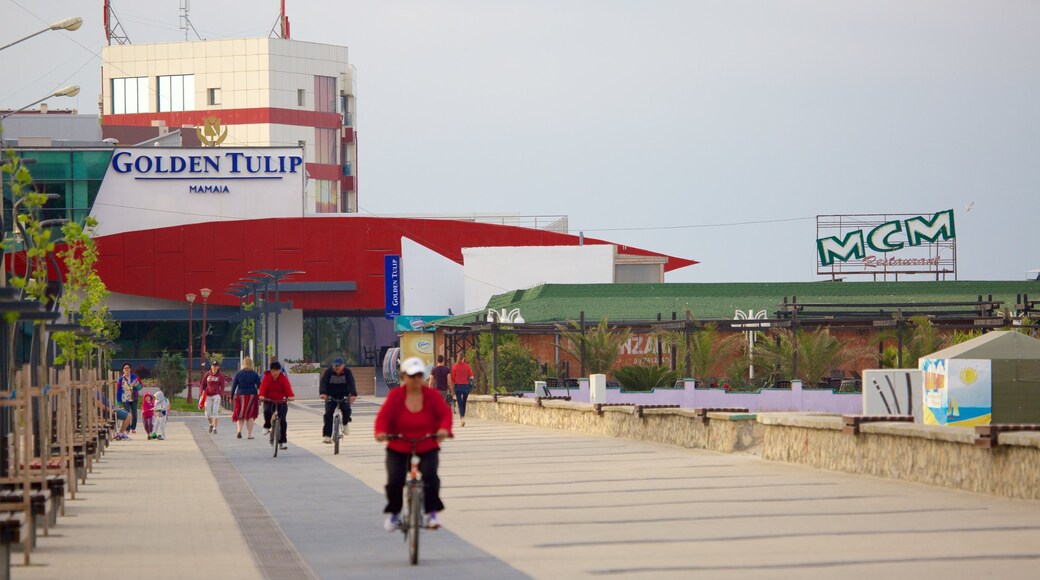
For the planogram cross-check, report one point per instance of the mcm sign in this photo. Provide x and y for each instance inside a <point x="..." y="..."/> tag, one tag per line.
<point x="915" y="231"/>
<point x="210" y="134"/>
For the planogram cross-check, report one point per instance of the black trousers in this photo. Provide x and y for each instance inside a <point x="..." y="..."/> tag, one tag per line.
<point x="330" y="410"/>
<point x="397" y="465"/>
<point x="283" y="409"/>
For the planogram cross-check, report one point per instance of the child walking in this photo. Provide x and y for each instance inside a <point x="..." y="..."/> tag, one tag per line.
<point x="162" y="405"/>
<point x="148" y="413"/>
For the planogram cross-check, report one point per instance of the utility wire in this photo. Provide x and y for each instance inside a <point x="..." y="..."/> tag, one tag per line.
<point x="695" y="226"/>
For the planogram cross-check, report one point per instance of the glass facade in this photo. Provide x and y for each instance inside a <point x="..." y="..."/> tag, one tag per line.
<point x="148" y="340"/>
<point x="327" y="194"/>
<point x="73" y="175"/>
<point x="129" y="95"/>
<point x="355" y="338"/>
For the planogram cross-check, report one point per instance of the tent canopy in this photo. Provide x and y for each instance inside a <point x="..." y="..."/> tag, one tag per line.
<point x="1000" y="345"/>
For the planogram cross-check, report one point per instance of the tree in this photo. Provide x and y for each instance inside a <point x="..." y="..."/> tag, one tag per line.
<point x="920" y="338"/>
<point x="602" y="345"/>
<point x="517" y="367"/>
<point x="708" y="348"/>
<point x="818" y="352"/>
<point x="85" y="296"/>
<point x="645" y="377"/>
<point x="170" y="373"/>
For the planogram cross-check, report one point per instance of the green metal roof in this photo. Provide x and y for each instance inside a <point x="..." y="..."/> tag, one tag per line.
<point x="640" y="302"/>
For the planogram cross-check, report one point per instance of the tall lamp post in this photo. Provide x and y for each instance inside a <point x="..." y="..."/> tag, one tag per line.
<point x="191" y="339"/>
<point x="205" y="299"/>
<point x="69" y="24"/>
<point x="277" y="276"/>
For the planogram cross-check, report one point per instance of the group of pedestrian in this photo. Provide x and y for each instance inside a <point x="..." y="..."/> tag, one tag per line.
<point x="154" y="407"/>
<point x="454" y="382"/>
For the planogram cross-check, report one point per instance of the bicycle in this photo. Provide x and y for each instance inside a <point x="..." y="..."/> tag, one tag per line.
<point x="337" y="425"/>
<point x="276" y="425"/>
<point x="411" y="522"/>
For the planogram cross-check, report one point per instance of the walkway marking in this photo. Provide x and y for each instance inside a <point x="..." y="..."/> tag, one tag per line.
<point x="276" y="556"/>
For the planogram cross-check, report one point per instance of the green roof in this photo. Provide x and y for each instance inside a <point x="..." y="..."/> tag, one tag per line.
<point x="641" y="302"/>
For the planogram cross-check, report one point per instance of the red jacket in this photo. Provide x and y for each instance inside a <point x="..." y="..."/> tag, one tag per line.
<point x="213" y="384"/>
<point x="276" y="390"/>
<point x="435" y="415"/>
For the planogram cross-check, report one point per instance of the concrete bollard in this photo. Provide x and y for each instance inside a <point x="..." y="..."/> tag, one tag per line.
<point x="597" y="389"/>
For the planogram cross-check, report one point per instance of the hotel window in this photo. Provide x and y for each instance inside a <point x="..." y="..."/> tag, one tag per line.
<point x="325" y="94"/>
<point x="213" y="96"/>
<point x="325" y="150"/>
<point x="129" y="95"/>
<point x="327" y="194"/>
<point x="176" y="93"/>
<point x="301" y="97"/>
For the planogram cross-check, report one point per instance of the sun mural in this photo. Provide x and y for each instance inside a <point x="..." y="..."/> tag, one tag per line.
<point x="969" y="376"/>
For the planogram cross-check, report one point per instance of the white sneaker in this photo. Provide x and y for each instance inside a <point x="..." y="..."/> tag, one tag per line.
<point x="283" y="446"/>
<point x="392" y="523"/>
<point x="346" y="430"/>
<point x="430" y="521"/>
<point x="266" y="430"/>
<point x="326" y="439"/>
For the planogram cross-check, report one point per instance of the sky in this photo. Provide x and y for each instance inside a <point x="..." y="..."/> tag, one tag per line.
<point x="711" y="130"/>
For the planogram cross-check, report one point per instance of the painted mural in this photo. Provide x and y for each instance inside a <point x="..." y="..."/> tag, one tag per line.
<point x="894" y="392"/>
<point x="957" y="392"/>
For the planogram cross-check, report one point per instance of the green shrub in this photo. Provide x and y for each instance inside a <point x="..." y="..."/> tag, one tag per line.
<point x="170" y="374"/>
<point x="645" y="377"/>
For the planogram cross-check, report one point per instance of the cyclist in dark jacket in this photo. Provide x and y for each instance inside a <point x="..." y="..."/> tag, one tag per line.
<point x="336" y="388"/>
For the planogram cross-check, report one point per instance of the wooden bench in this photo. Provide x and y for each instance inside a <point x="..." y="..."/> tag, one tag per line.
<point x="11" y="524"/>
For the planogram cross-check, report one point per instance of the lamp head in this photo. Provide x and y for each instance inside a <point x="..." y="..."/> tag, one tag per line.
<point x="519" y="319"/>
<point x="69" y="91"/>
<point x="70" y="24"/>
<point x="205" y="293"/>
<point x="190" y="298"/>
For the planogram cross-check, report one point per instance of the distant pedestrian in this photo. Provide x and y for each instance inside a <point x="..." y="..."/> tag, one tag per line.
<point x="440" y="379"/>
<point x="337" y="389"/>
<point x="245" y="391"/>
<point x="128" y="387"/>
<point x="148" y="413"/>
<point x="213" y="383"/>
<point x="162" y="407"/>
<point x="275" y="393"/>
<point x="462" y="378"/>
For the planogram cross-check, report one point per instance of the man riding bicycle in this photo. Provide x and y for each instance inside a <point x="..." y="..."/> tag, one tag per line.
<point x="337" y="389"/>
<point x="276" y="392"/>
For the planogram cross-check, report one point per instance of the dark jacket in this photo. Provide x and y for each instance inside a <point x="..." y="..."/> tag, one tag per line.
<point x="246" y="382"/>
<point x="337" y="386"/>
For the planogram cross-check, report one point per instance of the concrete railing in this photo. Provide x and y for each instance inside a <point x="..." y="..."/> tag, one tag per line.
<point x="796" y="398"/>
<point x="935" y="455"/>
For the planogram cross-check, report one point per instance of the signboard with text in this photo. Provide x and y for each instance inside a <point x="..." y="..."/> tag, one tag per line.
<point x="392" y="277"/>
<point x="887" y="246"/>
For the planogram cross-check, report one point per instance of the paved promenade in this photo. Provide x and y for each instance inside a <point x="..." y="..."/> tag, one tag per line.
<point x="522" y="502"/>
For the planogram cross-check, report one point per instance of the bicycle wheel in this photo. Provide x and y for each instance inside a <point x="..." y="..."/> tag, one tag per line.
<point x="276" y="434"/>
<point x="337" y="425"/>
<point x="414" y="522"/>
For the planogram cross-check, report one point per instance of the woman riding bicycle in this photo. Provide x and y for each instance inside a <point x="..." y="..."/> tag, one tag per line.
<point x="413" y="411"/>
<point x="276" y="392"/>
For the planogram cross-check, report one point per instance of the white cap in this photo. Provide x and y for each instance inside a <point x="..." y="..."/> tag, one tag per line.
<point x="413" y="366"/>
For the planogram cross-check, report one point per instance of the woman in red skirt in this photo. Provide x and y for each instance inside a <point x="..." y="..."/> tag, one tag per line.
<point x="245" y="391"/>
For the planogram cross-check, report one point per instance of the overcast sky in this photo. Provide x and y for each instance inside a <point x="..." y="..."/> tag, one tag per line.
<point x="646" y="114"/>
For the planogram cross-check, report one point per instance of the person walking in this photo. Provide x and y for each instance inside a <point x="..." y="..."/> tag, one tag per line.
<point x="440" y="379"/>
<point x="148" y="413"/>
<point x="337" y="389"/>
<point x="462" y="379"/>
<point x="213" y="383"/>
<point x="245" y="392"/>
<point x="275" y="393"/>
<point x="128" y="388"/>
<point x="413" y="411"/>
<point x="162" y="405"/>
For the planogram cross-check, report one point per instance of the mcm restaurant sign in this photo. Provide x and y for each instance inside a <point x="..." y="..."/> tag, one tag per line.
<point x="886" y="243"/>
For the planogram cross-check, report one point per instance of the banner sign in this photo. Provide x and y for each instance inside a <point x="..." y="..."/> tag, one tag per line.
<point x="392" y="277"/>
<point x="415" y="323"/>
<point x="886" y="244"/>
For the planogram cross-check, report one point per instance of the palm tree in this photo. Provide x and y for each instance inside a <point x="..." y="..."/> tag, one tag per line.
<point x="602" y="345"/>
<point x="818" y="352"/>
<point x="707" y="349"/>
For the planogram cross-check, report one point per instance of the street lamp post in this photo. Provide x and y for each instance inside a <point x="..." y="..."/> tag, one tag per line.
<point x="69" y="91"/>
<point x="69" y="24"/>
<point x="205" y="330"/>
<point x="191" y="340"/>
<point x="277" y="276"/>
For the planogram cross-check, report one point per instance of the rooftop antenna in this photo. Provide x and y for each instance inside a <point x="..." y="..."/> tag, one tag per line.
<point x="186" y="24"/>
<point x="281" y="26"/>
<point x="113" y="28"/>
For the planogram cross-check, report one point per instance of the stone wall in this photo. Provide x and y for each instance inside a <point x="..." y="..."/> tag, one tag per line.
<point x="934" y="455"/>
<point x="725" y="432"/>
<point x="943" y="456"/>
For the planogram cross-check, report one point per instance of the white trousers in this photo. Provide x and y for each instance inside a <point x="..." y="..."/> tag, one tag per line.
<point x="212" y="406"/>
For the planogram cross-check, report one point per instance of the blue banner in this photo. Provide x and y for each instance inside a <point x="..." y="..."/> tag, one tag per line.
<point x="392" y="276"/>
